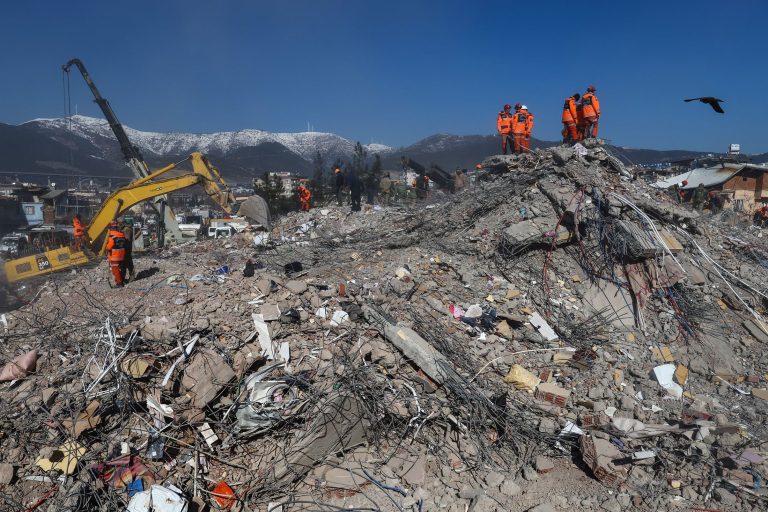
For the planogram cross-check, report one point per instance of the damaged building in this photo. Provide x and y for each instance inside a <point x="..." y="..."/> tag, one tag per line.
<point x="558" y="337"/>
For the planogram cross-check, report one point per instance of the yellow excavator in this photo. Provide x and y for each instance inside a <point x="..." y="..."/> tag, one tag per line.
<point x="143" y="189"/>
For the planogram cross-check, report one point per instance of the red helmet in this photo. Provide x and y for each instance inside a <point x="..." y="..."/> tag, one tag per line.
<point x="685" y="182"/>
<point x="591" y="88"/>
<point x="507" y="106"/>
<point x="518" y="106"/>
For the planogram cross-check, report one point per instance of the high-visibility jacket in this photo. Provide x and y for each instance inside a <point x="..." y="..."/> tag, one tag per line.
<point x="520" y="122"/>
<point x="79" y="229"/>
<point x="116" y="244"/>
<point x="529" y="123"/>
<point x="504" y="122"/>
<point x="569" y="110"/>
<point x="304" y="193"/>
<point x="590" y="105"/>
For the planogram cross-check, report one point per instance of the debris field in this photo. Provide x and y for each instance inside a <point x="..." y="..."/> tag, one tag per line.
<point x="558" y="336"/>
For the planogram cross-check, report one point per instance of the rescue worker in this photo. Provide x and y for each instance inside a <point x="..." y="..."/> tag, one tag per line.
<point x="504" y="126"/>
<point x="80" y="235"/>
<point x="116" y="253"/>
<point x="459" y="181"/>
<point x="715" y="203"/>
<point x="591" y="108"/>
<point x="355" y="189"/>
<point x="128" y="263"/>
<point x="339" y="185"/>
<point x="579" y="121"/>
<point x="699" y="196"/>
<point x="304" y="195"/>
<point x="528" y="129"/>
<point x="519" y="127"/>
<point x="569" y="119"/>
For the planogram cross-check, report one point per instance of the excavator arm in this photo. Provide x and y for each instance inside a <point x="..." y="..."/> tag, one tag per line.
<point x="149" y="187"/>
<point x="203" y="173"/>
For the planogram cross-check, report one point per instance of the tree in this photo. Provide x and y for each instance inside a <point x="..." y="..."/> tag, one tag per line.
<point x="271" y="188"/>
<point x="359" y="160"/>
<point x="337" y="164"/>
<point x="376" y="166"/>
<point x="318" y="183"/>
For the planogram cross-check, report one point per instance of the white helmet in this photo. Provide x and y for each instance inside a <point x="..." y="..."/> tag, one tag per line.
<point x="524" y="107"/>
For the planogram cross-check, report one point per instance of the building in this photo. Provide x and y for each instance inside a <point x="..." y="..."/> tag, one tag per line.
<point x="288" y="180"/>
<point x="743" y="185"/>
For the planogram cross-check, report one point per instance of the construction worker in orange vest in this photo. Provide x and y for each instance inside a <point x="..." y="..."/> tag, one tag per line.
<point x="304" y="195"/>
<point x="591" y="108"/>
<point x="569" y="119"/>
<point x="519" y="127"/>
<point x="504" y="126"/>
<point x="528" y="129"/>
<point x="116" y="252"/>
<point x="80" y="235"/>
<point x="579" y="121"/>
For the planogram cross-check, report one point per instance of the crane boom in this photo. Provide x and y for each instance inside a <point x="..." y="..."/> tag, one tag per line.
<point x="131" y="153"/>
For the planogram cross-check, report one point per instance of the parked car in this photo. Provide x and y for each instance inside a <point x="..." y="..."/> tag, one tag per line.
<point x="221" y="232"/>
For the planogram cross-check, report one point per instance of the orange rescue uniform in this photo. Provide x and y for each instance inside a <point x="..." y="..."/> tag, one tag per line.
<point x="519" y="129"/>
<point x="570" y="117"/>
<point x="591" y="108"/>
<point x="79" y="232"/>
<point x="116" y="244"/>
<point x="304" y="195"/>
<point x="504" y="126"/>
<point x="528" y="130"/>
<point x="579" y="122"/>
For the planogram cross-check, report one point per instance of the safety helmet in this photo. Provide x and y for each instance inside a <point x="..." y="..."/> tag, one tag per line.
<point x="518" y="106"/>
<point x="478" y="166"/>
<point x="113" y="225"/>
<point x="685" y="182"/>
<point x="591" y="88"/>
<point x="523" y="107"/>
<point x="507" y="106"/>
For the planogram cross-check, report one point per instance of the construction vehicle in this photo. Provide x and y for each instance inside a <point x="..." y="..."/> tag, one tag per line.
<point x="442" y="178"/>
<point x="169" y="227"/>
<point x="143" y="189"/>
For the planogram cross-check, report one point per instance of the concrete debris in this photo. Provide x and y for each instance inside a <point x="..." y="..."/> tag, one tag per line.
<point x="205" y="377"/>
<point x="456" y="357"/>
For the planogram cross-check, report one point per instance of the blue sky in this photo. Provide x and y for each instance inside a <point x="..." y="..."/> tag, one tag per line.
<point x="397" y="71"/>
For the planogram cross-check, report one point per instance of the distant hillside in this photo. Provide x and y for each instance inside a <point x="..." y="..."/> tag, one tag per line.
<point x="85" y="146"/>
<point x="452" y="151"/>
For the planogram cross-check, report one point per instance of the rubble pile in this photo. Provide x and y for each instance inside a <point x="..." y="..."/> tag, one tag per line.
<point x="558" y="336"/>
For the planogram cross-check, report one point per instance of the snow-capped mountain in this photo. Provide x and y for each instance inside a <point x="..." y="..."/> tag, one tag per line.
<point x="304" y="144"/>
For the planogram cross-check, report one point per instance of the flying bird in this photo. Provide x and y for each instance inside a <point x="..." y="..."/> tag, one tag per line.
<point x="711" y="101"/>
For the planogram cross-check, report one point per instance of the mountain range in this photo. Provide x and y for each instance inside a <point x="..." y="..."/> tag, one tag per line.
<point x="85" y="146"/>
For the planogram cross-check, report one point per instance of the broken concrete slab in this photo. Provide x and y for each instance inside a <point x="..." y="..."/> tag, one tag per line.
<point x="296" y="287"/>
<point x="413" y="346"/>
<point x="205" y="377"/>
<point x="754" y="328"/>
<point x="270" y="312"/>
<point x="338" y="424"/>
